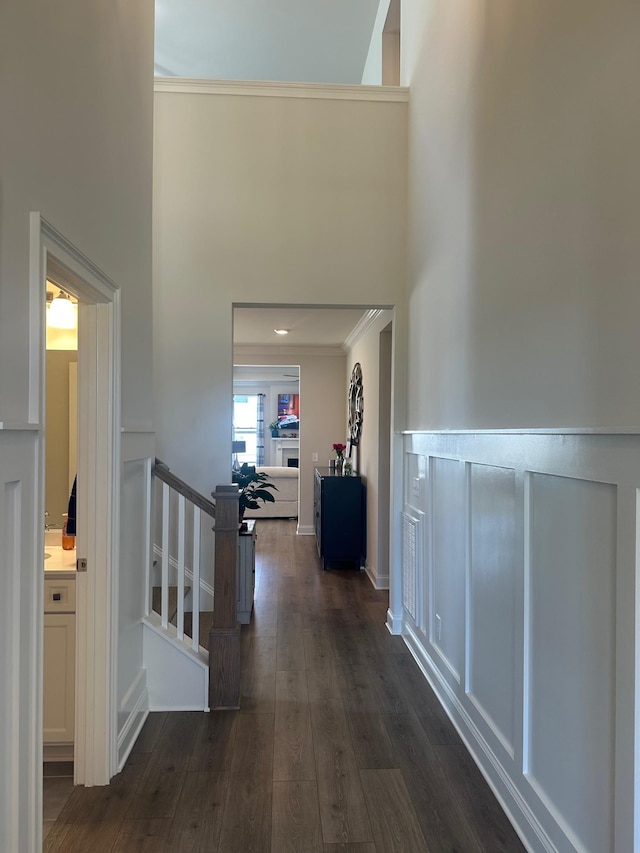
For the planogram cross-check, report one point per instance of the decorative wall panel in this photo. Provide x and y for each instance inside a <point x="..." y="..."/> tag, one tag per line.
<point x="413" y="569"/>
<point x="448" y="561"/>
<point x="409" y="558"/>
<point x="570" y="600"/>
<point x="531" y="563"/>
<point x="495" y="570"/>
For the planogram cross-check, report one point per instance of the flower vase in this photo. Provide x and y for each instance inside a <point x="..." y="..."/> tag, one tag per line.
<point x="339" y="466"/>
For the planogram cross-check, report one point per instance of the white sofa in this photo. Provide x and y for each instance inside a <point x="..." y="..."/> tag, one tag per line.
<point x="286" y="503"/>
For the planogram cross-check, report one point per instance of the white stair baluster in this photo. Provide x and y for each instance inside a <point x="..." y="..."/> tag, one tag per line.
<point x="181" y="510"/>
<point x="164" y="606"/>
<point x="195" y="595"/>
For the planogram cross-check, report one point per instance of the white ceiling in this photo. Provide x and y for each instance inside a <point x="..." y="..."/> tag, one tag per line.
<point x="304" y="41"/>
<point x="307" y="326"/>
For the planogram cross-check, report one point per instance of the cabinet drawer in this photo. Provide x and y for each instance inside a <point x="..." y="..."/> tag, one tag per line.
<point x="60" y="595"/>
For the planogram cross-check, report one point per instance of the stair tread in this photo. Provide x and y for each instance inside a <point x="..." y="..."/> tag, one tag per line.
<point x="206" y="620"/>
<point x="156" y="601"/>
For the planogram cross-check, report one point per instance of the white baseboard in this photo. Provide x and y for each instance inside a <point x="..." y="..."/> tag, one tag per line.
<point x="306" y="530"/>
<point x="394" y="623"/>
<point x="133" y="711"/>
<point x="526" y="824"/>
<point x="377" y="581"/>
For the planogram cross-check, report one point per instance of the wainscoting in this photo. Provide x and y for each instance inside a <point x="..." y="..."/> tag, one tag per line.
<point x="519" y="565"/>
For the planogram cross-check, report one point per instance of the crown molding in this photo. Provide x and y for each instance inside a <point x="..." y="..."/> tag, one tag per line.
<point x="267" y="89"/>
<point x="362" y="327"/>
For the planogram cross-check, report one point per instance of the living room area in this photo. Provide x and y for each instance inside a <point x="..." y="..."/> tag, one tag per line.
<point x="304" y="377"/>
<point x="266" y="430"/>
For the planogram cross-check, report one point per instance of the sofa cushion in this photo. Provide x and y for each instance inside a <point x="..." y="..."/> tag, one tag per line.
<point x="286" y="496"/>
<point x="274" y="472"/>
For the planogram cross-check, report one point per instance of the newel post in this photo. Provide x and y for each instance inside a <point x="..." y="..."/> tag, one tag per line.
<point x="224" y="635"/>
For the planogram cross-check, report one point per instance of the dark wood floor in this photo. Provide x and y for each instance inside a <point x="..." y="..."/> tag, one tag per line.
<point x="340" y="745"/>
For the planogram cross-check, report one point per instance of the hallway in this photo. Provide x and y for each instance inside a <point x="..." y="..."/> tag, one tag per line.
<point x="340" y="745"/>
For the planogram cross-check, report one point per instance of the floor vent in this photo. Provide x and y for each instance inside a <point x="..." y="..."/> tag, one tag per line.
<point x="410" y="537"/>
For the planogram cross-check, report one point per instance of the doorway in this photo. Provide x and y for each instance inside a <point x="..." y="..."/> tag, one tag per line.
<point x="325" y="341"/>
<point x="55" y="259"/>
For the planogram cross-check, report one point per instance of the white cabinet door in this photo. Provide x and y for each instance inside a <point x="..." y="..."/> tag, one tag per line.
<point x="59" y="677"/>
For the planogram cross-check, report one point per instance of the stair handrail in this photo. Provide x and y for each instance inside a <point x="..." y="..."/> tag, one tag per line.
<point x="162" y="471"/>
<point x="224" y="635"/>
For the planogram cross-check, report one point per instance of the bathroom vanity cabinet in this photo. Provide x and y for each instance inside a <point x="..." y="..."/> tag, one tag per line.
<point x="59" y="665"/>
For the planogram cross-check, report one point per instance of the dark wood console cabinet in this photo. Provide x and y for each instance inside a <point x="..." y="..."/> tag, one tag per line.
<point x="339" y="505"/>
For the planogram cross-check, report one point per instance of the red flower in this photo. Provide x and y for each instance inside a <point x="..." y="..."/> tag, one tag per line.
<point x="339" y="448"/>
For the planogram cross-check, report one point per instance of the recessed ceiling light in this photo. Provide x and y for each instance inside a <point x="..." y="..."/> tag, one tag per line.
<point x="281" y="331"/>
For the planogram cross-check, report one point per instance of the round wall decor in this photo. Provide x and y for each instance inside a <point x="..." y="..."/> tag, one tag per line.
<point x="356" y="405"/>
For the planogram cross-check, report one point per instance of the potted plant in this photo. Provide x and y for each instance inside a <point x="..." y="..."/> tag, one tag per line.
<point x="273" y="426"/>
<point x="253" y="487"/>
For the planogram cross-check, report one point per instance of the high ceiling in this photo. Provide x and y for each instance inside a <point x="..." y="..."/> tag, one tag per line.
<point x="306" y="326"/>
<point x="304" y="41"/>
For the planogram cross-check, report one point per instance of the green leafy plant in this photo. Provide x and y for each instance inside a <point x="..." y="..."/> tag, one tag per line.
<point x="253" y="487"/>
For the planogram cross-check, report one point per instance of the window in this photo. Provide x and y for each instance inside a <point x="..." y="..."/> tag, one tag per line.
<point x="245" y="425"/>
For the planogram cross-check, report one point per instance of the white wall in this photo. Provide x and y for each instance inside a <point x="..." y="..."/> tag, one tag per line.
<point x="366" y="351"/>
<point x="522" y="306"/>
<point x="296" y="198"/>
<point x="524" y="214"/>
<point x="322" y="409"/>
<point x="132" y="694"/>
<point x="76" y="146"/>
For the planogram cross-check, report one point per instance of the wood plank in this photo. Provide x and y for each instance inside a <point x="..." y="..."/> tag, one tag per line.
<point x="205" y="621"/>
<point x="414" y="685"/>
<point x="342" y="807"/>
<point x="296" y="818"/>
<point x="371" y="744"/>
<point x="356" y="687"/>
<point x="394" y="822"/>
<point x="293" y="741"/>
<point x="443" y="822"/>
<point x="486" y="818"/>
<point x="322" y="677"/>
<point x="258" y="676"/>
<point x="264" y="621"/>
<point x="198" y="821"/>
<point x="91" y="819"/>
<point x="290" y="642"/>
<point x="439" y="728"/>
<point x="143" y="836"/>
<point x="160" y="787"/>
<point x="150" y="732"/>
<point x="388" y="686"/>
<point x="351" y="848"/>
<point x="246" y="823"/>
<point x="213" y="742"/>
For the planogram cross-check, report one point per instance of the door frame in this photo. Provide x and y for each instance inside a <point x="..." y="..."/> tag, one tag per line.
<point x="53" y="256"/>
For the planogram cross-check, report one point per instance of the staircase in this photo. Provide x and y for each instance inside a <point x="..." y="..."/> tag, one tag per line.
<point x="192" y="565"/>
<point x="206" y="616"/>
